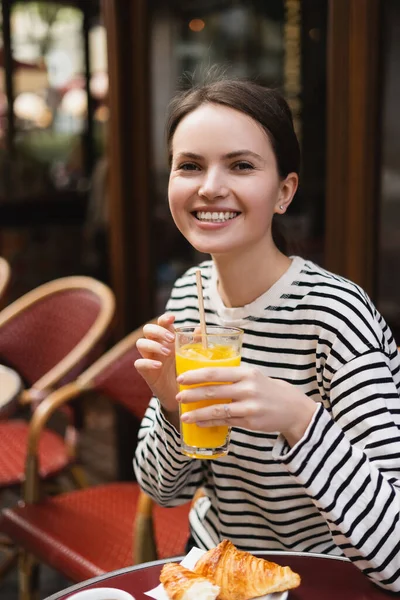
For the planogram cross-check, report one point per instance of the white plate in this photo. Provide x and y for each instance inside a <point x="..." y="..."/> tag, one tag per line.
<point x="189" y="562"/>
<point x="102" y="594"/>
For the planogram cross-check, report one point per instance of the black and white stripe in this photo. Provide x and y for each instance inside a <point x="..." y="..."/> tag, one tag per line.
<point x="338" y="490"/>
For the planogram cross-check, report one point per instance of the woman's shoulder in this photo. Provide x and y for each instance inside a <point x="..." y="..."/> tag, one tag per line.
<point x="319" y="283"/>
<point x="345" y="310"/>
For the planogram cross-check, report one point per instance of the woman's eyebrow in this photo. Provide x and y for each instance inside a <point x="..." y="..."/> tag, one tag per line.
<point x="188" y="155"/>
<point x="234" y="154"/>
<point x="238" y="153"/>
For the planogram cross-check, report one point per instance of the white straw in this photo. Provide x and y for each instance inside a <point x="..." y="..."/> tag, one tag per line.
<point x="203" y="328"/>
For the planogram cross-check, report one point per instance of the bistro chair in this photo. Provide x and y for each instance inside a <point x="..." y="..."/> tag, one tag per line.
<point x="87" y="532"/>
<point x="48" y="336"/>
<point x="5" y="274"/>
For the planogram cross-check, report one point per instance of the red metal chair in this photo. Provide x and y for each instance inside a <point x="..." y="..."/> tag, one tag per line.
<point x="49" y="336"/>
<point x="88" y="532"/>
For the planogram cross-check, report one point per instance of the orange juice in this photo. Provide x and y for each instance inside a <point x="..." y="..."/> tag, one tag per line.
<point x="195" y="356"/>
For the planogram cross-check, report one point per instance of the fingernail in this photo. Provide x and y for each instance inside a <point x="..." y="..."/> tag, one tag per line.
<point x="185" y="418"/>
<point x="165" y="350"/>
<point x="180" y="378"/>
<point x="157" y="364"/>
<point x="178" y="397"/>
<point x="169" y="337"/>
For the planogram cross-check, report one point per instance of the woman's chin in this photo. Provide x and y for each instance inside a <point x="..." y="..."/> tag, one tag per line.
<point x="213" y="250"/>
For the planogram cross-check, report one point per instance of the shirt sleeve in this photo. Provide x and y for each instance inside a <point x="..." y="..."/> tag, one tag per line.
<point x="348" y="462"/>
<point x="162" y="471"/>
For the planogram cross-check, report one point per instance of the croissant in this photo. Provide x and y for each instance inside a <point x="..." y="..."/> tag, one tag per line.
<point x="241" y="575"/>
<point x="182" y="584"/>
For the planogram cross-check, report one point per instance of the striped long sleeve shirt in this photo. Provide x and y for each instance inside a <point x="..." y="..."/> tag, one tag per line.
<point x="337" y="491"/>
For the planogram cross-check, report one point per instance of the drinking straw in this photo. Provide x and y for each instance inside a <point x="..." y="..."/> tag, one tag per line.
<point x="203" y="328"/>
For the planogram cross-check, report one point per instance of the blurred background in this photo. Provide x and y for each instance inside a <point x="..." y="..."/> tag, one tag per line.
<point x="83" y="172"/>
<point x="84" y="87"/>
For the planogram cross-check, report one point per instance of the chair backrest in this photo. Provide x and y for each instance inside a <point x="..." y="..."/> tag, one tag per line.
<point x="5" y="273"/>
<point x="114" y="374"/>
<point x="50" y="334"/>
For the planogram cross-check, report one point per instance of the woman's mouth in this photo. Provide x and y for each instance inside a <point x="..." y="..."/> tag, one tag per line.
<point x="215" y="217"/>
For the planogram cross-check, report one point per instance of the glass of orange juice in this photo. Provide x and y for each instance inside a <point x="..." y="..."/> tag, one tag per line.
<point x="222" y="349"/>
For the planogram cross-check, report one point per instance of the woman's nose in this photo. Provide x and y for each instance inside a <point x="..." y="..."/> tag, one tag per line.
<point x="213" y="186"/>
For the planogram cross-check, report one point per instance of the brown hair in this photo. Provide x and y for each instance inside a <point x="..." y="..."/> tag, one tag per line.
<point x="264" y="105"/>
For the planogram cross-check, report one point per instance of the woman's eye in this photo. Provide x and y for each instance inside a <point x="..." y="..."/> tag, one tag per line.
<point x="188" y="167"/>
<point x="243" y="166"/>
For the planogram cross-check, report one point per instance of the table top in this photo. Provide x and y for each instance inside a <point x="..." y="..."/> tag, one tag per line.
<point x="10" y="387"/>
<point x="322" y="578"/>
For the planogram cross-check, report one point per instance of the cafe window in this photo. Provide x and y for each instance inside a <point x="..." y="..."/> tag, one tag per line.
<point x="53" y="103"/>
<point x="56" y="81"/>
<point x="280" y="43"/>
<point x="48" y="100"/>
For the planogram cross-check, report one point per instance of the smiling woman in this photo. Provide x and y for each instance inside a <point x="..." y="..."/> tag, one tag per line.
<point x="223" y="163"/>
<point x="314" y="403"/>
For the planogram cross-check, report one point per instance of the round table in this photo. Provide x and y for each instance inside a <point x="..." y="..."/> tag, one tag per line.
<point x="322" y="578"/>
<point x="10" y="388"/>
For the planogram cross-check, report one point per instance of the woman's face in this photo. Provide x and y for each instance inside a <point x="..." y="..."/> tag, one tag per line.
<point x="224" y="185"/>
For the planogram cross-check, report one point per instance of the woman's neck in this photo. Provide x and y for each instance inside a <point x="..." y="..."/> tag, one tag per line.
<point x="241" y="281"/>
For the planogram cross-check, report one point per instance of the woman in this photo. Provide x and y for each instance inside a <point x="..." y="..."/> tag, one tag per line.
<point x="314" y="455"/>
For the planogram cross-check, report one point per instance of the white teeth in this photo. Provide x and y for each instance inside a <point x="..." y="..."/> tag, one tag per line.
<point x="216" y="217"/>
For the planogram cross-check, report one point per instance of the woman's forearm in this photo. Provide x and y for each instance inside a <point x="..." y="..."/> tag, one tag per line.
<point x="163" y="472"/>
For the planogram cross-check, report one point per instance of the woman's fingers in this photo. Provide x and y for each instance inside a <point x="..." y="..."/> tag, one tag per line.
<point x="159" y="333"/>
<point x="152" y="349"/>
<point x="158" y="340"/>
<point x="226" y="383"/>
<point x="217" y="414"/>
<point x="220" y="422"/>
<point x="166" y="320"/>
<point x="211" y="392"/>
<point x="213" y="375"/>
<point x="142" y="365"/>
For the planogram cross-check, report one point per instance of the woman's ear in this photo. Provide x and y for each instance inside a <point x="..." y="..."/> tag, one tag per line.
<point x="287" y="191"/>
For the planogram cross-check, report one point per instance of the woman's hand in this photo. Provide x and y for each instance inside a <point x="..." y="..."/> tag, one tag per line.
<point x="259" y="403"/>
<point x="157" y="365"/>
